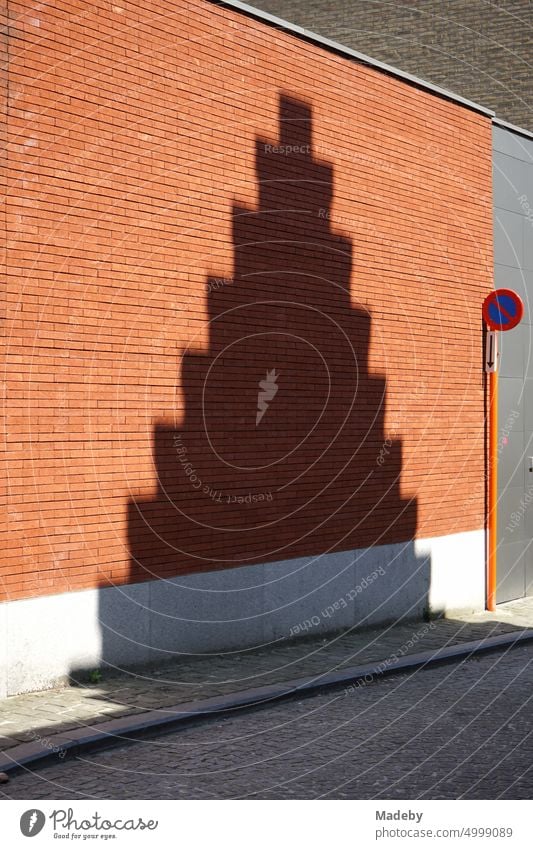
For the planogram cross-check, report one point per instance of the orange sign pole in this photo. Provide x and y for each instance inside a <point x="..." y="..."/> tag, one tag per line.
<point x="493" y="489"/>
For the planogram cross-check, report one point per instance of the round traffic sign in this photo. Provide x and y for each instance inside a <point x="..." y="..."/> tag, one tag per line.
<point x="503" y="309"/>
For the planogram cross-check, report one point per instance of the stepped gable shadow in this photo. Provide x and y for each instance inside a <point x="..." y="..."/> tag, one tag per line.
<point x="277" y="455"/>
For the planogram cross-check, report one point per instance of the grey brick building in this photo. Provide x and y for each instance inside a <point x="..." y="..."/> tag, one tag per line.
<point x="479" y="49"/>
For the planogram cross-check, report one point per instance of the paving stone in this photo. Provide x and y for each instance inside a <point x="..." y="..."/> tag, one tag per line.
<point x="191" y="677"/>
<point x="447" y="732"/>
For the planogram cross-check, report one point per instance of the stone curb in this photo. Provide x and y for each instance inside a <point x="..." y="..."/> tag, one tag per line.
<point x="133" y="728"/>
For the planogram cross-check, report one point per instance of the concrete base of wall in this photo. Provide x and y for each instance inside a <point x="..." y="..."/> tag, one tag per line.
<point x="46" y="639"/>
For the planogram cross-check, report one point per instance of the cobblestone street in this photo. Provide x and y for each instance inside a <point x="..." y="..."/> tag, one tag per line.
<point x="456" y="731"/>
<point x="40" y="715"/>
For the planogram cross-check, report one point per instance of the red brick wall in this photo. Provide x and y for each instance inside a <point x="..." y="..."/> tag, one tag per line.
<point x="3" y="179"/>
<point x="138" y="136"/>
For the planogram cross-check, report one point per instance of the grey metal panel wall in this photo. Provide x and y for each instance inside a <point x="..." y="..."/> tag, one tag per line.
<point x="513" y="257"/>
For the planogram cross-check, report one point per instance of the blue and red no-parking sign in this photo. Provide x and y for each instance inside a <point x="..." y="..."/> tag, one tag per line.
<point x="503" y="309"/>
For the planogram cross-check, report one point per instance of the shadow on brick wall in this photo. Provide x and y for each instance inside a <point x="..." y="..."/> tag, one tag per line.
<point x="281" y="463"/>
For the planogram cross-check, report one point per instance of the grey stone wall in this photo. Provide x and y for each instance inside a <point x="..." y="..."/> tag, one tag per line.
<point x="480" y="50"/>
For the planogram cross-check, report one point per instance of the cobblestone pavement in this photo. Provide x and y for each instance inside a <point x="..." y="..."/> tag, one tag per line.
<point x="36" y="716"/>
<point x="454" y="731"/>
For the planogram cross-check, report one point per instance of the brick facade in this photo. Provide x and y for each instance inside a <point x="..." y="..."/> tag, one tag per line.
<point x="194" y="200"/>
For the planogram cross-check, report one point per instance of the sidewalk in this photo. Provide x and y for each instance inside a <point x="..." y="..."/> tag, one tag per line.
<point x="37" y="716"/>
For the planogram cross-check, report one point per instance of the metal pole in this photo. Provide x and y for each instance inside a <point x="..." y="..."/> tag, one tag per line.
<point x="493" y="489"/>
